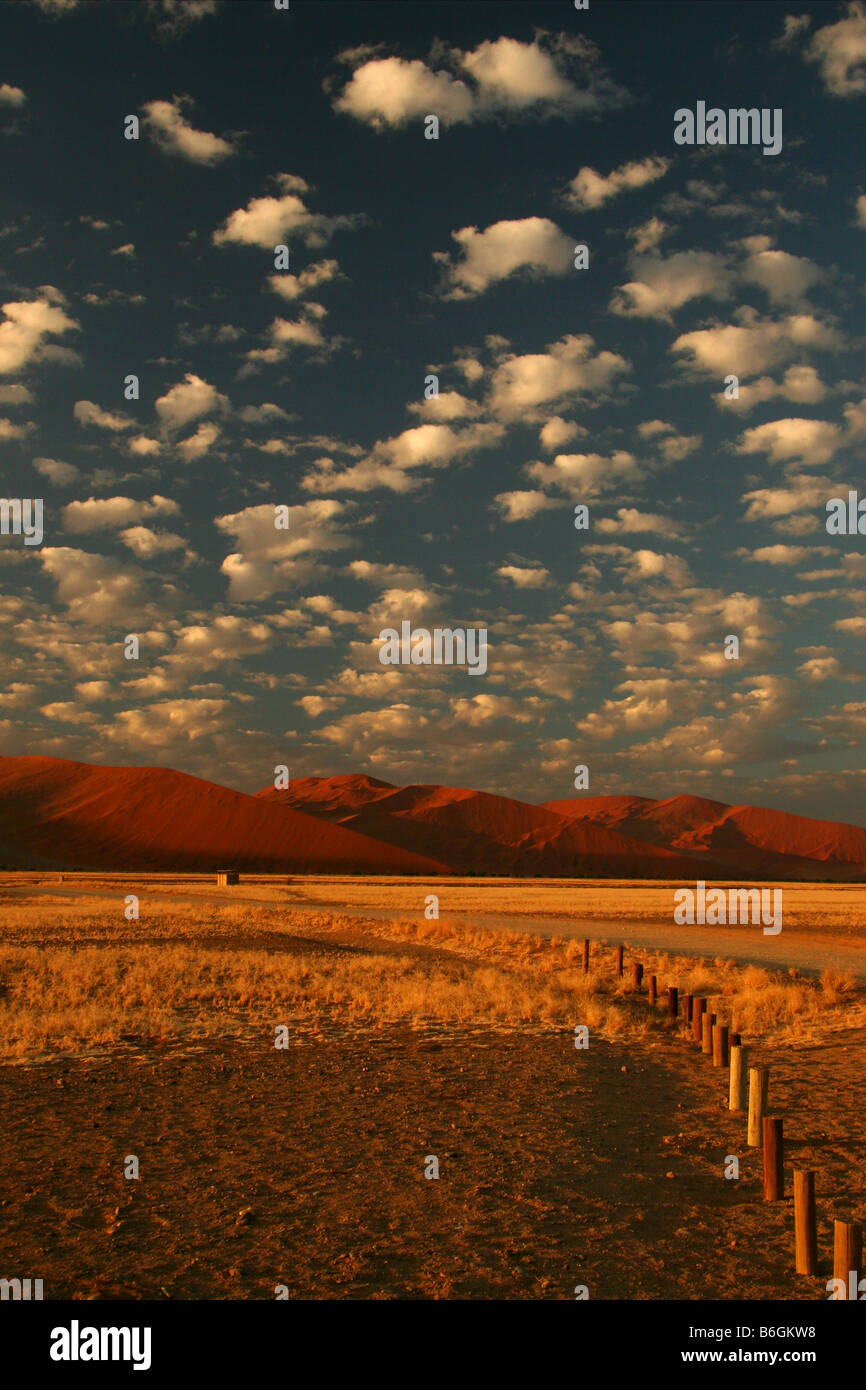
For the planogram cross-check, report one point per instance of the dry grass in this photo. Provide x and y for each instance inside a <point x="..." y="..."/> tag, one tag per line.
<point x="80" y="977"/>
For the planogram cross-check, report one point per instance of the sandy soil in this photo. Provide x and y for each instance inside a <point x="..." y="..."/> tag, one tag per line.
<point x="305" y="1167"/>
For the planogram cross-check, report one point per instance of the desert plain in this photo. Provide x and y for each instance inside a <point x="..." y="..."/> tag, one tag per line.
<point x="285" y="1057"/>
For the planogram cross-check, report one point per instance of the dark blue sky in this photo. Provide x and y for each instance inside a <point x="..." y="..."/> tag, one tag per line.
<point x="558" y="386"/>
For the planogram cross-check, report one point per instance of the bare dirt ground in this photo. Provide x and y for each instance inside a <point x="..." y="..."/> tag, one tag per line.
<point x="305" y="1167"/>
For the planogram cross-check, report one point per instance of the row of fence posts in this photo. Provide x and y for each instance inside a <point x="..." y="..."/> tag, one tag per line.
<point x="763" y="1131"/>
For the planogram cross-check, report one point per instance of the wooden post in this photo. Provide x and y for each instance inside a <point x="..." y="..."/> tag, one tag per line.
<point x="636" y="976"/>
<point x="688" y="1005"/>
<point x="737" y="1091"/>
<point x="586" y="956"/>
<point x="848" y="1255"/>
<point x="759" y="1078"/>
<point x="774" y="1174"/>
<point x="652" y="989"/>
<point x="708" y="1023"/>
<point x="805" y="1229"/>
<point x="619" y="951"/>
<point x="720" y="1045"/>
<point x="698" y="1010"/>
<point x="673" y="1000"/>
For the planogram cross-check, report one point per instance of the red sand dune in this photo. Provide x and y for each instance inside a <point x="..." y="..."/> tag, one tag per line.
<point x="477" y="832"/>
<point x="752" y="839"/>
<point x="60" y="814"/>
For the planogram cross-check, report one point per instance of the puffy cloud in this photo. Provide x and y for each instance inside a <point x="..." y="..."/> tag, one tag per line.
<point x="810" y="441"/>
<point x="395" y="463"/>
<point x="173" y="134"/>
<point x="664" y="284"/>
<point x="589" y="189"/>
<point x="794" y="26"/>
<point x="393" y="91"/>
<point x="143" y="446"/>
<point x="839" y="50"/>
<point x="271" y="221"/>
<point x="9" y="430"/>
<point x="293" y="286"/>
<point x="199" y="443"/>
<point x="188" y="400"/>
<point x="145" y="543"/>
<point x="287" y="334"/>
<point x="522" y="506"/>
<point x="671" y="445"/>
<point x="266" y="559"/>
<point x="800" y="383"/>
<point x="87" y="413"/>
<point x="534" y="245"/>
<point x="59" y="473"/>
<point x="753" y="344"/>
<point x="861" y="210"/>
<point x="55" y="8"/>
<point x="802" y="494"/>
<point x="15" y="394"/>
<point x="631" y="521"/>
<point x="648" y="234"/>
<point x="583" y="476"/>
<point x="523" y="577"/>
<point x="554" y="75"/>
<point x="567" y="371"/>
<point x="96" y="589"/>
<point x="447" y="405"/>
<point x="169" y="723"/>
<point x="100" y="513"/>
<point x="556" y="432"/>
<point x="127" y="250"/>
<point x="784" y="277"/>
<point x="27" y="324"/>
<point x="11" y="96"/>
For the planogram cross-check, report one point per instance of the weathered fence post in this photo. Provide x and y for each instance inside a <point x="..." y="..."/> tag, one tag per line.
<point x="848" y="1255"/>
<point x="720" y="1045"/>
<point x="673" y="1000"/>
<point x="805" y="1228"/>
<point x="698" y="1011"/>
<point x="759" y="1078"/>
<point x="652" y="989"/>
<point x="737" y="1091"/>
<point x="708" y="1023"/>
<point x="586" y="956"/>
<point x="619" y="951"/>
<point x="636" y="976"/>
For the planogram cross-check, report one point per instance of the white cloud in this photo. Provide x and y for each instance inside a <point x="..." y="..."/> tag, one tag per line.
<point x="199" y="443"/>
<point x="861" y="210"/>
<point x="145" y="543"/>
<point x="395" y="463"/>
<point x="554" y="75"/>
<point x="98" y="514"/>
<point x="664" y="284"/>
<point x="648" y="234"/>
<point x="57" y="472"/>
<point x="584" y="476"/>
<point x="784" y="277"/>
<point x="173" y="17"/>
<point x="630" y="521"/>
<point x="801" y="494"/>
<point x="271" y="221"/>
<point x="753" y="344"/>
<point x="534" y="245"/>
<point x="143" y="445"/>
<point x="525" y="577"/>
<point x="447" y="405"/>
<point x="127" y="250"/>
<point x="293" y="286"/>
<point x="800" y="383"/>
<point x="808" y="441"/>
<point x="188" y="400"/>
<point x="522" y="506"/>
<point x="27" y="324"/>
<point x="840" y="52"/>
<point x="11" y="96"/>
<point x="87" y="413"/>
<point x="15" y="394"/>
<point x="589" y="189"/>
<point x="172" y="133"/>
<point x="266" y="559"/>
<point x="556" y="432"/>
<point x="568" y="371"/>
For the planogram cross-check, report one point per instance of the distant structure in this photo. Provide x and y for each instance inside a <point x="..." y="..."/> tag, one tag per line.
<point x="226" y="878"/>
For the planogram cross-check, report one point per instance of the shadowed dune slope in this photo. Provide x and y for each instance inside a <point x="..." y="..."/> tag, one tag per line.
<point x="60" y="814"/>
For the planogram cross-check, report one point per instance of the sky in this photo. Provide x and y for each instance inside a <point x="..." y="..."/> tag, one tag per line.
<point x="307" y="386"/>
